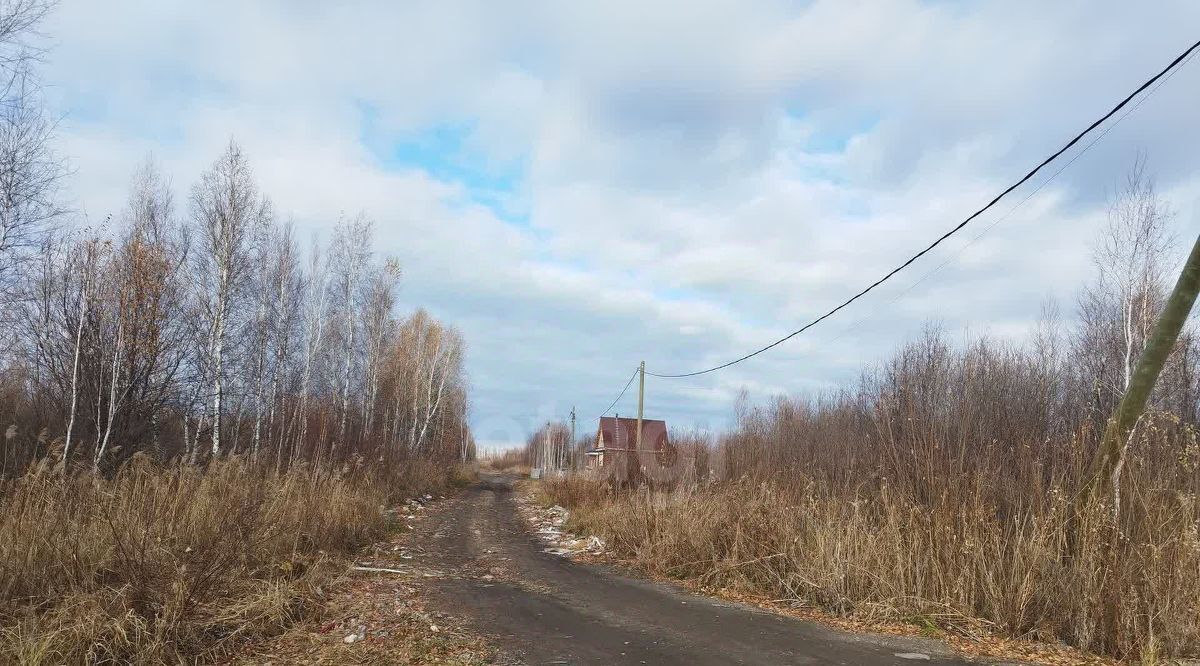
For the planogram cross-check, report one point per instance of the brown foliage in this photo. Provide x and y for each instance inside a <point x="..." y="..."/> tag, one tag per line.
<point x="167" y="564"/>
<point x="941" y="491"/>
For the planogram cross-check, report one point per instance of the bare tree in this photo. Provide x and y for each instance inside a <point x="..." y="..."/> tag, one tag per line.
<point x="351" y="252"/>
<point x="1117" y="311"/>
<point x="286" y="284"/>
<point x="377" y="324"/>
<point x="317" y="292"/>
<point x="30" y="172"/>
<point x="154" y="256"/>
<point x="226" y="208"/>
<point x="140" y="327"/>
<point x="85" y="262"/>
<point x="434" y="370"/>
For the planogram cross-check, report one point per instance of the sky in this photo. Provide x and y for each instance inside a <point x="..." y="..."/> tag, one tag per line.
<point x="582" y="186"/>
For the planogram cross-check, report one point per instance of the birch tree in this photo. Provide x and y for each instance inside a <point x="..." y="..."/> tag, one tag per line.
<point x="30" y="172"/>
<point x="314" y="325"/>
<point x="351" y="252"/>
<point x="1118" y="310"/>
<point x="226" y="208"/>
<point x="285" y="285"/>
<point x="1131" y="259"/>
<point x="432" y="368"/>
<point x="85" y="264"/>
<point x="377" y="325"/>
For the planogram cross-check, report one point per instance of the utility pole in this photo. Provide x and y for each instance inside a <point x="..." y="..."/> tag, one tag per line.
<point x="571" y="444"/>
<point x="641" y="400"/>
<point x="1107" y="464"/>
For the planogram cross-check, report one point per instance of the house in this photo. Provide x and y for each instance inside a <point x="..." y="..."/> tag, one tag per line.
<point x="615" y="452"/>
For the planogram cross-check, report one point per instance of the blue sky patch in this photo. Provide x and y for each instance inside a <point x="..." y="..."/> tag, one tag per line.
<point x="444" y="151"/>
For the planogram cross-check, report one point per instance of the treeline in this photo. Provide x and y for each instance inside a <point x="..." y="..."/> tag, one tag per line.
<point x="200" y="414"/>
<point x="201" y="329"/>
<point x="550" y="447"/>
<point x="209" y="331"/>
<point x="195" y="329"/>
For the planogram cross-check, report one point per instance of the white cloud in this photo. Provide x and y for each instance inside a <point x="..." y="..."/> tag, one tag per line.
<point x="699" y="178"/>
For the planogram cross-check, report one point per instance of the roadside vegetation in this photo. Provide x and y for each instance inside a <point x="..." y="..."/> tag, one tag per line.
<point x="946" y="486"/>
<point x="201" y="416"/>
<point x="166" y="564"/>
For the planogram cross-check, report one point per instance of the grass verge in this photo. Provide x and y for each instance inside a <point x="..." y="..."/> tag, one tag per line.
<point x="957" y="564"/>
<point x="167" y="564"/>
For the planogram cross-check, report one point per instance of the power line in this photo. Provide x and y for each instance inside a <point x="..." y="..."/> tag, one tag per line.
<point x="1023" y="201"/>
<point x="952" y="231"/>
<point x="619" y="396"/>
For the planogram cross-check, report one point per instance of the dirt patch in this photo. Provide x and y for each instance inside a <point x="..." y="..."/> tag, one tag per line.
<point x="376" y="612"/>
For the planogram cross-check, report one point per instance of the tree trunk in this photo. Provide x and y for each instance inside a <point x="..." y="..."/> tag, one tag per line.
<point x="75" y="373"/>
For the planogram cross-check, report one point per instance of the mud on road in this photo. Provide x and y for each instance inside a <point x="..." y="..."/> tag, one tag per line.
<point x="540" y="608"/>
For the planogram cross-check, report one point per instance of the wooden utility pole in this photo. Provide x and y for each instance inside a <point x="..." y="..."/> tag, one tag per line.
<point x="641" y="402"/>
<point x="1107" y="462"/>
<point x="571" y="443"/>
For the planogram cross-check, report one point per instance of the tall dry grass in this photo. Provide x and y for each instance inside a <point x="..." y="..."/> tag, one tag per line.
<point x="175" y="564"/>
<point x="959" y="565"/>
<point x="943" y="491"/>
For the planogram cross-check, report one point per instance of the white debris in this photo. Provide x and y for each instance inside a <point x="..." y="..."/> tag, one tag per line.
<point x="548" y="523"/>
<point x="357" y="635"/>
<point x="915" y="656"/>
<point x="378" y="570"/>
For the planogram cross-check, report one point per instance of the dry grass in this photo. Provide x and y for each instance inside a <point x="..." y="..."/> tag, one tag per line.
<point x="961" y="567"/>
<point x="942" y="492"/>
<point x="177" y="564"/>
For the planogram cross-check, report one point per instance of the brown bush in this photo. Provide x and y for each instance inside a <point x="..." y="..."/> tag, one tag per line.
<point x="942" y="490"/>
<point x="576" y="491"/>
<point x="169" y="564"/>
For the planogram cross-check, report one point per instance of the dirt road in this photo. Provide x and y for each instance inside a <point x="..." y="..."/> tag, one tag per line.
<point x="543" y="609"/>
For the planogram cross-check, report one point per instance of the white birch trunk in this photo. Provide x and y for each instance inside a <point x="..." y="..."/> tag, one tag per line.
<point x="316" y="327"/>
<point x="432" y="404"/>
<point x="112" y="397"/>
<point x="83" y="305"/>
<point x="345" y="376"/>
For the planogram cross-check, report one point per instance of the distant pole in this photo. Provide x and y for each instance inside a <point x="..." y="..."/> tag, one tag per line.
<point x="572" y="442"/>
<point x="641" y="401"/>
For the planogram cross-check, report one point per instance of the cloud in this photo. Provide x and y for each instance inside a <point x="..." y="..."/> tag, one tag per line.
<point x="674" y="182"/>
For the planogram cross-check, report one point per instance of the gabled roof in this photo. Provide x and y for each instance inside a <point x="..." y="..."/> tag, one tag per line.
<point x="613" y="433"/>
<point x="611" y="421"/>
